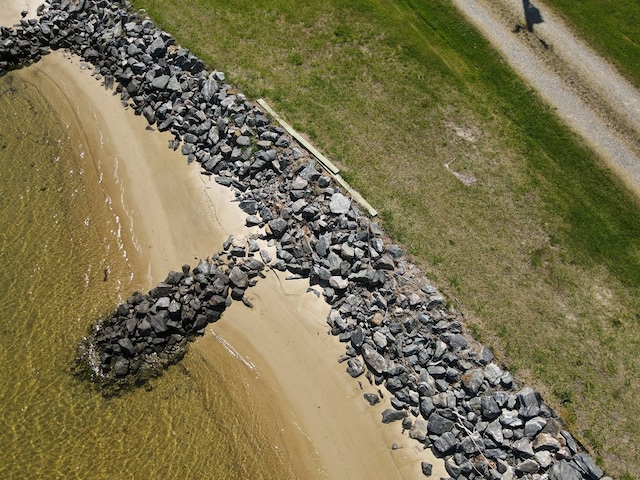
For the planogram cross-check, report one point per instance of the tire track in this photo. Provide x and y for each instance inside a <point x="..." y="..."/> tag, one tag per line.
<point x="585" y="90"/>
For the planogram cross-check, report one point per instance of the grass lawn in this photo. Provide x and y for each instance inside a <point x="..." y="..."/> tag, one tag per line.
<point x="612" y="27"/>
<point x="541" y="253"/>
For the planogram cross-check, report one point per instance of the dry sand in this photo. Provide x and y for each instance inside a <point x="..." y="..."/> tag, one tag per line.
<point x="171" y="215"/>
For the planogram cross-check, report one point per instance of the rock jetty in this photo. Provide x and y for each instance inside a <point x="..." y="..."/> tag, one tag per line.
<point x="447" y="390"/>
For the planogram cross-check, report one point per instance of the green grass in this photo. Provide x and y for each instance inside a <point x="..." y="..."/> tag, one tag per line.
<point x="541" y="254"/>
<point x="612" y="27"/>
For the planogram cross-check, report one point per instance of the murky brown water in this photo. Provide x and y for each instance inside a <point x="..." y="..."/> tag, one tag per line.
<point x="62" y="264"/>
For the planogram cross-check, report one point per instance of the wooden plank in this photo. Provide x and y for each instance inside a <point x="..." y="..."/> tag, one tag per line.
<point x="324" y="161"/>
<point x="355" y="195"/>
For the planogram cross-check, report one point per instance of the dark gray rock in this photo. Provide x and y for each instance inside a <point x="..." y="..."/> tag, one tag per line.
<point x="563" y="470"/>
<point x="426" y="407"/>
<point x="437" y="424"/>
<point x="160" y="82"/>
<point x="529" y="403"/>
<point x="490" y="408"/>
<point x="587" y="466"/>
<point x="389" y="415"/>
<point x="371" y="398"/>
<point x="127" y="347"/>
<point x="278" y="227"/>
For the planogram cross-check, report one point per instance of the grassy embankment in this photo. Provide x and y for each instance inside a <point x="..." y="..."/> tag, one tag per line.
<point x="542" y="253"/>
<point x="612" y="27"/>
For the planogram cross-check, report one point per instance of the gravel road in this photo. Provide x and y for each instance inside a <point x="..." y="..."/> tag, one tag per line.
<point x="585" y="90"/>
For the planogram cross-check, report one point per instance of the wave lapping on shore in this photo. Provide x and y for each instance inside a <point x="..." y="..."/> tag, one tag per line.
<point x="447" y="390"/>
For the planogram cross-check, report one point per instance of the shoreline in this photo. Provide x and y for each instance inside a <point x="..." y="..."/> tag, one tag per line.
<point x="176" y="215"/>
<point x="443" y="384"/>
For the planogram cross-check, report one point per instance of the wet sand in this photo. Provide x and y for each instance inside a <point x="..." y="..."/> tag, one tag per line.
<point x="171" y="215"/>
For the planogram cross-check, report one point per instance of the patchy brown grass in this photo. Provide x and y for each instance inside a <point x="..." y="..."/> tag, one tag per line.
<point x="541" y="253"/>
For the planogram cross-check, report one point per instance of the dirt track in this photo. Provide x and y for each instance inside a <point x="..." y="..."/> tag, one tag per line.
<point x="586" y="91"/>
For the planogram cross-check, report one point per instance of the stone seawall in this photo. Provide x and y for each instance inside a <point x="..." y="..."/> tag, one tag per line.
<point x="398" y="332"/>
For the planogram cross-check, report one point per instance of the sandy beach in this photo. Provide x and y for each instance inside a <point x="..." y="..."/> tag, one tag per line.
<point x="171" y="215"/>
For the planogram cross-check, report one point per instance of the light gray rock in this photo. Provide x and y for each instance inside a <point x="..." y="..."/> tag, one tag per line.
<point x="529" y="403"/>
<point x="121" y="367"/>
<point x="338" y="282"/>
<point x="419" y="430"/>
<point x="523" y="447"/>
<point x="492" y="373"/>
<point x="494" y="432"/>
<point x="339" y="204"/>
<point x="528" y="466"/>
<point x="533" y="426"/>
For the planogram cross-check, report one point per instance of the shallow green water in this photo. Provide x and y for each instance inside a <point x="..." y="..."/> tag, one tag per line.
<point x="61" y="266"/>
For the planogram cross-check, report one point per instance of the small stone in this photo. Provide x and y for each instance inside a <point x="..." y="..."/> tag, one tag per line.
<point x="371" y="398"/>
<point x="377" y="319"/>
<point x="355" y="368"/>
<point x="427" y="469"/>
<point x="528" y="466"/>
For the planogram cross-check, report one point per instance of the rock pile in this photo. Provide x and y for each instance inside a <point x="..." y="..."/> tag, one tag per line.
<point x="148" y="332"/>
<point x="446" y="389"/>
